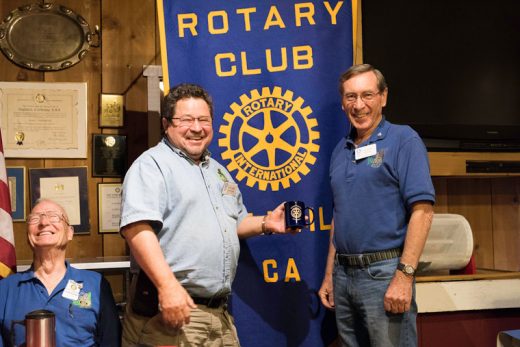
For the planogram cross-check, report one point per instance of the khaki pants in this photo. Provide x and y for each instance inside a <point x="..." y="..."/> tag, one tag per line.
<point x="208" y="327"/>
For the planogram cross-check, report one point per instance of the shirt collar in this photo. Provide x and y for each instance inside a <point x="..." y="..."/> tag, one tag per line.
<point x="28" y="275"/>
<point x="378" y="134"/>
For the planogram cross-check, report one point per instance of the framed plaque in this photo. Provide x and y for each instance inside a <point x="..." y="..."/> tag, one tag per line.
<point x="67" y="187"/>
<point x="44" y="119"/>
<point x="108" y="155"/>
<point x="16" y="183"/>
<point x="112" y="111"/>
<point x="109" y="207"/>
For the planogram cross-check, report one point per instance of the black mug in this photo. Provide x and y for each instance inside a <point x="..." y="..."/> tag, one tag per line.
<point x="295" y="215"/>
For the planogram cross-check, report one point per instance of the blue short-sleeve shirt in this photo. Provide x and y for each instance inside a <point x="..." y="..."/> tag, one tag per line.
<point x="373" y="195"/>
<point x="89" y="320"/>
<point x="195" y="210"/>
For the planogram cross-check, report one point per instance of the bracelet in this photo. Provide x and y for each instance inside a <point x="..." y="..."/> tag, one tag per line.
<point x="264" y="229"/>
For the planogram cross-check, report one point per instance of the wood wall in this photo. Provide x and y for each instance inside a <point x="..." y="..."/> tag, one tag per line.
<point x="129" y="41"/>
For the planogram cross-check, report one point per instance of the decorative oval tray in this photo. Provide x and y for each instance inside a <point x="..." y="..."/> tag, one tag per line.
<point x="44" y="37"/>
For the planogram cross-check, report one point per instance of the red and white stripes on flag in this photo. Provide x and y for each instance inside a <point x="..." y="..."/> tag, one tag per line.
<point x="7" y="250"/>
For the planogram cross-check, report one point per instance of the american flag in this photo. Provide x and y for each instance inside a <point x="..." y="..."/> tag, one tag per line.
<point x="7" y="251"/>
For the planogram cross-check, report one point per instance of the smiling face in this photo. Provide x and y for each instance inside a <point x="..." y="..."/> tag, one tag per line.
<point x="364" y="115"/>
<point x="195" y="138"/>
<point x="48" y="231"/>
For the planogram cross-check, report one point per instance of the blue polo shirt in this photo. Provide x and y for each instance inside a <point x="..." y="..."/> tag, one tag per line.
<point x="373" y="195"/>
<point x="91" y="320"/>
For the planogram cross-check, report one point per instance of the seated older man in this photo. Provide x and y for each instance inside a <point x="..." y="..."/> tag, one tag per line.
<point x="81" y="300"/>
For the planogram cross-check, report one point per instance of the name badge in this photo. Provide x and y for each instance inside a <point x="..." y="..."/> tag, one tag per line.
<point x="72" y="290"/>
<point x="229" y="188"/>
<point x="365" y="151"/>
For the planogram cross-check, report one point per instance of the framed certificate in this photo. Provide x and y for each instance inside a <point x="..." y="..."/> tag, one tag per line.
<point x="67" y="187"/>
<point x="44" y="119"/>
<point x="108" y="155"/>
<point x="16" y="183"/>
<point x="112" y="111"/>
<point x="109" y="207"/>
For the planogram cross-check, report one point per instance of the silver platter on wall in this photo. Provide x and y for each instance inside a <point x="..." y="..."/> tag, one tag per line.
<point x="44" y="37"/>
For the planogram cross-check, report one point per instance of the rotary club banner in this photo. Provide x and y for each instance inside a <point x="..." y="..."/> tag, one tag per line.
<point x="272" y="68"/>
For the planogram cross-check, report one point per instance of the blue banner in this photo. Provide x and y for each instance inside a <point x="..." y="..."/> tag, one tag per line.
<point x="272" y="68"/>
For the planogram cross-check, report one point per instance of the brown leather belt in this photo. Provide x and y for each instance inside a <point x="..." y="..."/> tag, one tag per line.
<point x="211" y="302"/>
<point x="367" y="258"/>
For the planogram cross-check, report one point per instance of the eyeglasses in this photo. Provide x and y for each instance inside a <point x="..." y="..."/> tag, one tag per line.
<point x="187" y="121"/>
<point x="365" y="96"/>
<point x="52" y="217"/>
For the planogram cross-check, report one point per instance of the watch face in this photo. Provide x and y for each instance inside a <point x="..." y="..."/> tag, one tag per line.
<point x="406" y="269"/>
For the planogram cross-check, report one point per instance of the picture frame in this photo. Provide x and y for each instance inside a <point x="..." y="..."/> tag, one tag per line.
<point x="44" y="119"/>
<point x="17" y="188"/>
<point x="111" y="113"/>
<point x="68" y="187"/>
<point x="109" y="207"/>
<point x="108" y="155"/>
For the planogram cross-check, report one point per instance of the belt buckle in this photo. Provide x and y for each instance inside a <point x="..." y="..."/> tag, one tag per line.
<point x="361" y="260"/>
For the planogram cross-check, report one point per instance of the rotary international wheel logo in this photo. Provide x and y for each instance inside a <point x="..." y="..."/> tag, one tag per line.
<point x="269" y="139"/>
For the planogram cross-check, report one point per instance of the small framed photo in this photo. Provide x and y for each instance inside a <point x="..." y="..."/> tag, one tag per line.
<point x="66" y="186"/>
<point x="112" y="111"/>
<point x="108" y="155"/>
<point x="17" y="189"/>
<point x="109" y="207"/>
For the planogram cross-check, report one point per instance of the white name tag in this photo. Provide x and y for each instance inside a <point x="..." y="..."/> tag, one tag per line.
<point x="72" y="290"/>
<point x="229" y="188"/>
<point x="365" y="151"/>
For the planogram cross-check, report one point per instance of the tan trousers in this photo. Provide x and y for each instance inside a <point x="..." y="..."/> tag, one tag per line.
<point x="208" y="327"/>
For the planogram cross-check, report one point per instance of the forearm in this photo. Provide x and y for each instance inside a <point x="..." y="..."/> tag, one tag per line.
<point x="250" y="226"/>
<point x="417" y="233"/>
<point x="329" y="267"/>
<point x="273" y="222"/>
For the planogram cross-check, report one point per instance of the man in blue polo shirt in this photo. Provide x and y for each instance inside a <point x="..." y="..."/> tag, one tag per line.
<point x="383" y="208"/>
<point x="81" y="300"/>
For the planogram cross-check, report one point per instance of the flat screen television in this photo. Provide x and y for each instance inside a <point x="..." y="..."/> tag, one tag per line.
<point x="453" y="69"/>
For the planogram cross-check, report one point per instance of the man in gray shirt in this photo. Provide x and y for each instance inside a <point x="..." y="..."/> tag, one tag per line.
<point x="182" y="216"/>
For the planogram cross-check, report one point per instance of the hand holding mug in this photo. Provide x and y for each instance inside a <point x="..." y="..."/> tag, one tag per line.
<point x="295" y="218"/>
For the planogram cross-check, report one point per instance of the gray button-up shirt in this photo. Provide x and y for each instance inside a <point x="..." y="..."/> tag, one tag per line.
<point x="195" y="211"/>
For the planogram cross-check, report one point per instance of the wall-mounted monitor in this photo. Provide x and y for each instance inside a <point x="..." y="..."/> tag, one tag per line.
<point x="453" y="69"/>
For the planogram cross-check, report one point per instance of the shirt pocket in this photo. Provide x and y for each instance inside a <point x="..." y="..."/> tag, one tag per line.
<point x="230" y="203"/>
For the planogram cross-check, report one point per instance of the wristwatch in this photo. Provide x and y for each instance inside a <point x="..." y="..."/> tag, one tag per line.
<point x="407" y="269"/>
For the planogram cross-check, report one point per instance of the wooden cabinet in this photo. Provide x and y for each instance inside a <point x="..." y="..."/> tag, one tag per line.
<point x="489" y="201"/>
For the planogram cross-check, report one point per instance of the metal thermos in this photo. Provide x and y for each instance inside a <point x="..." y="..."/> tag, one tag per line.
<point x="40" y="329"/>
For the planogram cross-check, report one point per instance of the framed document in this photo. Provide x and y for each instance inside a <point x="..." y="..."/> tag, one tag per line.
<point x="67" y="187"/>
<point x="108" y="155"/>
<point x="112" y="111"/>
<point x="44" y="119"/>
<point x="16" y="183"/>
<point x="109" y="207"/>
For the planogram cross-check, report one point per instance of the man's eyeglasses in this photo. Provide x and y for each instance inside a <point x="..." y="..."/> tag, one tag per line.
<point x="52" y="217"/>
<point x="187" y="121"/>
<point x="365" y="96"/>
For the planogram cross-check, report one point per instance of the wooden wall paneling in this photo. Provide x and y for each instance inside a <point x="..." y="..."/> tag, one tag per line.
<point x="87" y="70"/>
<point x="129" y="42"/>
<point x="441" y="194"/>
<point x="506" y="223"/>
<point x="471" y="197"/>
